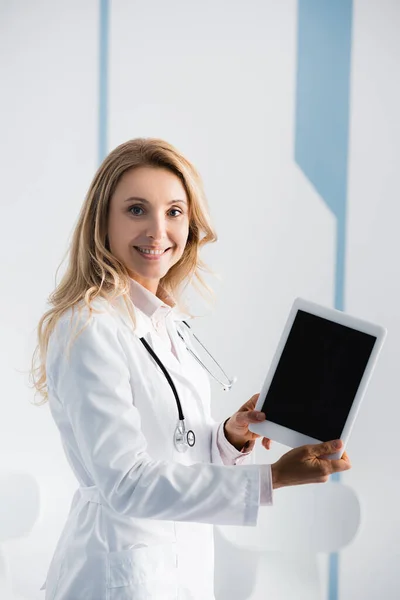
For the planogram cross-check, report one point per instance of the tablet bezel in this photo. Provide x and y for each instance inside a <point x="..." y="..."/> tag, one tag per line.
<point x="292" y="438"/>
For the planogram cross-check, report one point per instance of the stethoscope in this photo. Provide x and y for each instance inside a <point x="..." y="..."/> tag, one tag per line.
<point x="183" y="439"/>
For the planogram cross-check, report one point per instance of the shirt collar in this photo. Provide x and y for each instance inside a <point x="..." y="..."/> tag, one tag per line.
<point x="151" y="304"/>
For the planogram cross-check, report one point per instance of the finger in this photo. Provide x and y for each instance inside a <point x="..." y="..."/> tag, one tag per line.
<point x="343" y="458"/>
<point x="251" y="416"/>
<point x="266" y="442"/>
<point x="255" y="416"/>
<point x="340" y="465"/>
<point x="250" y="404"/>
<point x="325" y="448"/>
<point x="343" y="462"/>
<point x="346" y="458"/>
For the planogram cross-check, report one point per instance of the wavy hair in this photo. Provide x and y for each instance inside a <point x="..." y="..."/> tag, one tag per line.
<point x="94" y="272"/>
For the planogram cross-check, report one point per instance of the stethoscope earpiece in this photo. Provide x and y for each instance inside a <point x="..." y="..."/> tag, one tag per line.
<point x="228" y="387"/>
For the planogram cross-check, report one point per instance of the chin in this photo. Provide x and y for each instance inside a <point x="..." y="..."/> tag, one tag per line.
<point x="149" y="272"/>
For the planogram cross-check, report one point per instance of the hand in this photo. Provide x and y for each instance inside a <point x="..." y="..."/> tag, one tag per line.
<point x="308" y="465"/>
<point x="237" y="426"/>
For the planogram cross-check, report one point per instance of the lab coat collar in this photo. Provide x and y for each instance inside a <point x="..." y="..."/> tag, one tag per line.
<point x="148" y="305"/>
<point x="155" y="306"/>
<point x="151" y="304"/>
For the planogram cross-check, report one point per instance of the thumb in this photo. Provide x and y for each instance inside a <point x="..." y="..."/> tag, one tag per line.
<point x="325" y="448"/>
<point x="250" y="416"/>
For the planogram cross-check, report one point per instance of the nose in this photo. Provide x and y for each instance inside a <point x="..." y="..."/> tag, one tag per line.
<point x="156" y="228"/>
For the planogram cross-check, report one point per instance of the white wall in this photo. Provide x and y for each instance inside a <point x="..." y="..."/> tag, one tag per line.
<point x="370" y="566"/>
<point x="217" y="79"/>
<point x="48" y="153"/>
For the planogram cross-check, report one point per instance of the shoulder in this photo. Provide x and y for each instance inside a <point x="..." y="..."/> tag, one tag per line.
<point x="81" y="315"/>
<point x="85" y="336"/>
<point x="82" y="324"/>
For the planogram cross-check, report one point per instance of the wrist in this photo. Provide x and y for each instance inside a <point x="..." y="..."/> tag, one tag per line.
<point x="276" y="483"/>
<point x="237" y="441"/>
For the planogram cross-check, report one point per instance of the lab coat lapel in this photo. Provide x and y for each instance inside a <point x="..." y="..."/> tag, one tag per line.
<point x="178" y="368"/>
<point x="181" y="369"/>
<point x="167" y="357"/>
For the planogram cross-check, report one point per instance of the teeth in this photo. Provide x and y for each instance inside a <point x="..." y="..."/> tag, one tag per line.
<point x="148" y="251"/>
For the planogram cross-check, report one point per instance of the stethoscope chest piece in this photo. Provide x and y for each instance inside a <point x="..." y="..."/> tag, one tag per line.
<point x="191" y="438"/>
<point x="183" y="439"/>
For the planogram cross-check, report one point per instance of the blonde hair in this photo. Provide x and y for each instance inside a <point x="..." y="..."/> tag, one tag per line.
<point x="93" y="271"/>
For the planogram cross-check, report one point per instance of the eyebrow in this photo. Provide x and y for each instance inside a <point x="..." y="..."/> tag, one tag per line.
<point x="137" y="199"/>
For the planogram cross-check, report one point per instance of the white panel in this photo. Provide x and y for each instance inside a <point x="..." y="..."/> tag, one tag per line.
<point x="370" y="566"/>
<point x="48" y="123"/>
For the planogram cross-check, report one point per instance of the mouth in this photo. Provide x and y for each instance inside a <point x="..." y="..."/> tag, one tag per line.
<point x="151" y="254"/>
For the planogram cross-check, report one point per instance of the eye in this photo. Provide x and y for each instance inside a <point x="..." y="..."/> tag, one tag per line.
<point x="176" y="210"/>
<point x="133" y="209"/>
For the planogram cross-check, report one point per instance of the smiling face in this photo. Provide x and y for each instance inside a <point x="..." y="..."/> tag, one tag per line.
<point x="148" y="223"/>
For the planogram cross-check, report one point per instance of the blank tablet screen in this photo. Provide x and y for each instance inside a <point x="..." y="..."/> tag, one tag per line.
<point x="317" y="377"/>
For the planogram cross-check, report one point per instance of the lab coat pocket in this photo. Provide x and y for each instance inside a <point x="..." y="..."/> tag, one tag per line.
<point x="143" y="572"/>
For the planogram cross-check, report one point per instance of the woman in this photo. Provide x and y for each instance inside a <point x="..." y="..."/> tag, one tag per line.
<point x="140" y="524"/>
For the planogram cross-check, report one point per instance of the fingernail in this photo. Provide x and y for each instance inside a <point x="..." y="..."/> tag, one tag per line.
<point x="337" y="444"/>
<point x="260" y="417"/>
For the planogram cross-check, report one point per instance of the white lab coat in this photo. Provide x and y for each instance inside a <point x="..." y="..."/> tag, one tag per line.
<point x="141" y="522"/>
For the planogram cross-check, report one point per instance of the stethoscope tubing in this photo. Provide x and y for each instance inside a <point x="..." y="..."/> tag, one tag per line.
<point x="184" y="439"/>
<point x="226" y="386"/>
<point x="167" y="376"/>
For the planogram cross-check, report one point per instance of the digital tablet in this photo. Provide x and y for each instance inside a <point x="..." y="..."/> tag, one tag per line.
<point x="318" y="376"/>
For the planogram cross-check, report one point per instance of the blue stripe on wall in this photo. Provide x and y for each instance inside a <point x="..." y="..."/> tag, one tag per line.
<point x="322" y="129"/>
<point x="103" y="80"/>
<point x="322" y="109"/>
